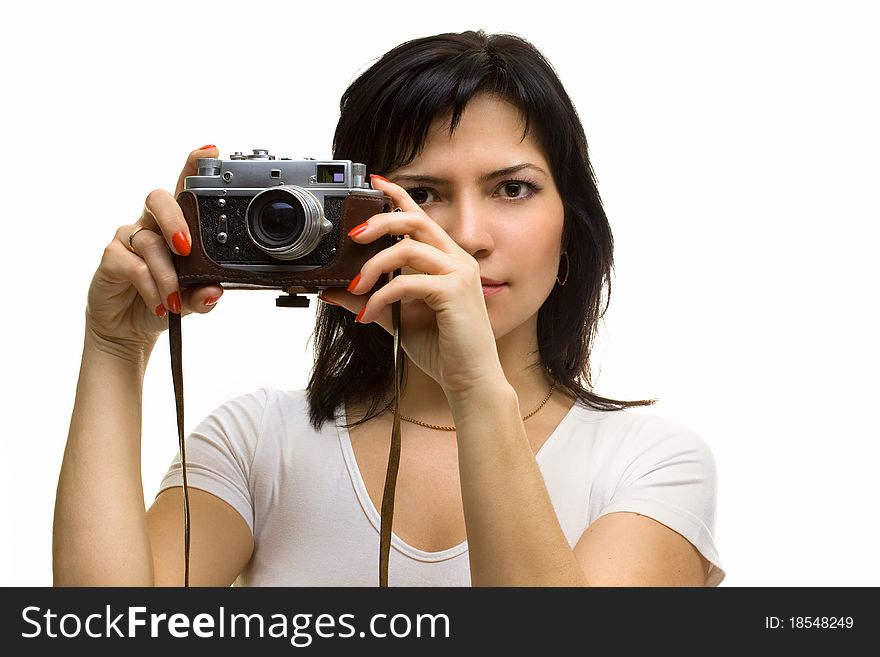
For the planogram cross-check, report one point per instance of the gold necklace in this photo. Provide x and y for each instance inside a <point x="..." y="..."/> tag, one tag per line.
<point x="444" y="428"/>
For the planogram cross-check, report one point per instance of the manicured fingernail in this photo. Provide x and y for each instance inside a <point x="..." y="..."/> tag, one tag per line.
<point x="181" y="244"/>
<point x="206" y="147"/>
<point x="174" y="302"/>
<point x="354" y="282"/>
<point x="210" y="301"/>
<point x="160" y="310"/>
<point x="376" y="175"/>
<point x="357" y="230"/>
<point x="360" y="314"/>
<point x="326" y="300"/>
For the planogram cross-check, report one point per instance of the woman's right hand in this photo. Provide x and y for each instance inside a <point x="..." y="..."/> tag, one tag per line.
<point x="133" y="290"/>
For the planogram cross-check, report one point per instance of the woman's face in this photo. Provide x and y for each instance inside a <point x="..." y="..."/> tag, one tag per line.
<point x="493" y="193"/>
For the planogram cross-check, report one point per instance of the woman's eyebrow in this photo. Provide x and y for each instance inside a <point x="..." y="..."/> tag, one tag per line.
<point x="506" y="171"/>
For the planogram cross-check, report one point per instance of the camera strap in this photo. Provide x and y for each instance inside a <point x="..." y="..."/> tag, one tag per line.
<point x="387" y="513"/>
<point x="174" y="339"/>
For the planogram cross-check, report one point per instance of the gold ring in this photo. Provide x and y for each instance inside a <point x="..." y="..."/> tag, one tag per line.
<point x="133" y="233"/>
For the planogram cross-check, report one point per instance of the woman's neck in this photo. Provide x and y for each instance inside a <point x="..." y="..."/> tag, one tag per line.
<point x="422" y="398"/>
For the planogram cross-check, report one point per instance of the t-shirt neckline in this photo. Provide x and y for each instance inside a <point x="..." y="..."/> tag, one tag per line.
<point x="372" y="513"/>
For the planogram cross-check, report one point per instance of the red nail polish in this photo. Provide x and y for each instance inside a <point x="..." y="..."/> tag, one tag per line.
<point x="160" y="310"/>
<point x="376" y="175"/>
<point x="210" y="301"/>
<point x="206" y="147"/>
<point x="360" y="314"/>
<point x="354" y="282"/>
<point x="174" y="302"/>
<point x="181" y="244"/>
<point x="357" y="230"/>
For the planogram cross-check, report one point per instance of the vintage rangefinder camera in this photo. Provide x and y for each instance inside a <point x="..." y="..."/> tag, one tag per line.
<point x="261" y="222"/>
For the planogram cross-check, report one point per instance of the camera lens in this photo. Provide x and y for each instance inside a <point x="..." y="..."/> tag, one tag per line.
<point x="280" y="222"/>
<point x="286" y="222"/>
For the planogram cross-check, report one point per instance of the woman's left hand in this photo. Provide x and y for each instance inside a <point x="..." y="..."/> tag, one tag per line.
<point x="445" y="327"/>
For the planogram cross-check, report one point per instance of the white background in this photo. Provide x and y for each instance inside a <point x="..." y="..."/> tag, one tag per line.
<point x="736" y="147"/>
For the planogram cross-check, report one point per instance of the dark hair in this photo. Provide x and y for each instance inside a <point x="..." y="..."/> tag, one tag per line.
<point x="385" y="115"/>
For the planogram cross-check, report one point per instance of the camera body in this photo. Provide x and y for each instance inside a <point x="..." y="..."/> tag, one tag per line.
<point x="258" y="222"/>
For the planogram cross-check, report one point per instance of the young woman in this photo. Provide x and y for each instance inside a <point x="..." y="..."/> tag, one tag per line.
<point x="513" y="472"/>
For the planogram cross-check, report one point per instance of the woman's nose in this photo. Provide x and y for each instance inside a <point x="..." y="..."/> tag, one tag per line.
<point x="470" y="226"/>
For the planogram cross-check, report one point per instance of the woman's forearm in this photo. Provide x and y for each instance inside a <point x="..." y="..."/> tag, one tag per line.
<point x="100" y="529"/>
<point x="514" y="536"/>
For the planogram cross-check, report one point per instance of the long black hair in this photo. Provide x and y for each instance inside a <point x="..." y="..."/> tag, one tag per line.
<point x="385" y="115"/>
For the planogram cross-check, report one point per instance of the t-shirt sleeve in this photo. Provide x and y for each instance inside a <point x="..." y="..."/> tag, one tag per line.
<point x="669" y="473"/>
<point x="220" y="452"/>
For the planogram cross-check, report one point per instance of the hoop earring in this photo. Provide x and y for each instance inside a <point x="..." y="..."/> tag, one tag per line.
<point x="567" y="266"/>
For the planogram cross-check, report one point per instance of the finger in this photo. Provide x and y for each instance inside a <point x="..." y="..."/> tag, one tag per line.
<point x="121" y="266"/>
<point x="201" y="299"/>
<point x="415" y="286"/>
<point x="340" y="297"/>
<point x="352" y="303"/>
<point x="416" y="225"/>
<point x="151" y="249"/>
<point x="162" y="215"/>
<point x="191" y="167"/>
<point x="396" y="193"/>
<point x="420" y="257"/>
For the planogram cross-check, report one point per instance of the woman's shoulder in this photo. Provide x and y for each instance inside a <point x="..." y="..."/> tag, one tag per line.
<point x="261" y="398"/>
<point x="271" y="405"/>
<point x="252" y="407"/>
<point x="264" y="416"/>
<point x="638" y="431"/>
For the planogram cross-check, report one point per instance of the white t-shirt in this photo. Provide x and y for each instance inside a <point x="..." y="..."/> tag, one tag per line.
<point x="314" y="523"/>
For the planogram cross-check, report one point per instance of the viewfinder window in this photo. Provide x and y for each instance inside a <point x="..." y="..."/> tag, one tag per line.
<point x="331" y="173"/>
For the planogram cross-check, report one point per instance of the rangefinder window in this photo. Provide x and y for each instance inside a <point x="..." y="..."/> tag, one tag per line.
<point x="331" y="173"/>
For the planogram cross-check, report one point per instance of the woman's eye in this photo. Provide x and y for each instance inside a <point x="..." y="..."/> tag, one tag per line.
<point x="420" y="195"/>
<point x="516" y="189"/>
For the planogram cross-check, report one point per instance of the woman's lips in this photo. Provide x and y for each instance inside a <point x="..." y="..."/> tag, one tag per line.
<point x="489" y="290"/>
